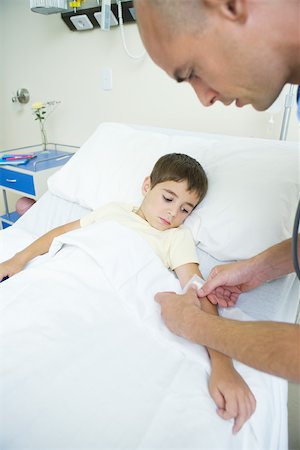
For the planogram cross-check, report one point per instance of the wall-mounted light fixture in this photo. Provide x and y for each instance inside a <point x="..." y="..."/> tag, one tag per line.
<point x="90" y="12"/>
<point x="22" y="96"/>
<point x="94" y="16"/>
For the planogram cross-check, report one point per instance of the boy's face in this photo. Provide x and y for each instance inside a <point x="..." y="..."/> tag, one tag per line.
<point x="167" y="205"/>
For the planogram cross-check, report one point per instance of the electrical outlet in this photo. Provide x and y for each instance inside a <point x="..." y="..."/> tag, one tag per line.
<point x="81" y="22"/>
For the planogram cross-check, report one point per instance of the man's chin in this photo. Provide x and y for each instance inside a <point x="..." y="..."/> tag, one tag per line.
<point x="260" y="108"/>
<point x="256" y="106"/>
<point x="264" y="103"/>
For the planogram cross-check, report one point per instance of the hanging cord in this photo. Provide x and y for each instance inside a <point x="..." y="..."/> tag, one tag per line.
<point x="287" y="113"/>
<point x="295" y="242"/>
<point x="121" y="23"/>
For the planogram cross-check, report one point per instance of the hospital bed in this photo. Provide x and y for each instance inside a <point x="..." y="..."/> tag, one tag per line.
<point x="86" y="361"/>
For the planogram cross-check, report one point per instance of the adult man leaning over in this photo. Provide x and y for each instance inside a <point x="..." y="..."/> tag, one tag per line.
<point x="238" y="51"/>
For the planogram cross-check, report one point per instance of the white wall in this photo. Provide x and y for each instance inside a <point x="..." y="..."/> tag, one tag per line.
<point x="52" y="62"/>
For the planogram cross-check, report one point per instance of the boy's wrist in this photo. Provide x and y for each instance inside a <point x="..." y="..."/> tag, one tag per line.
<point x="219" y="360"/>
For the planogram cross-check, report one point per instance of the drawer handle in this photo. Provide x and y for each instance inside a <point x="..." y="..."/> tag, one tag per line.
<point x="10" y="180"/>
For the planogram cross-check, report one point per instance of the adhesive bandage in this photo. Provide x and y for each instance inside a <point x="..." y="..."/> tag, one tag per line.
<point x="196" y="282"/>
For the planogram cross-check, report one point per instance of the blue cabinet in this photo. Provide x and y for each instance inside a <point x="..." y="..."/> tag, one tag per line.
<point x="30" y="179"/>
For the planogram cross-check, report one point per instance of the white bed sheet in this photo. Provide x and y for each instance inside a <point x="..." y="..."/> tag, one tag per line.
<point x="277" y="300"/>
<point x="98" y="368"/>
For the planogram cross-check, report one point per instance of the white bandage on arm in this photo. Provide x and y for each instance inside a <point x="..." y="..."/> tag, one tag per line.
<point x="196" y="282"/>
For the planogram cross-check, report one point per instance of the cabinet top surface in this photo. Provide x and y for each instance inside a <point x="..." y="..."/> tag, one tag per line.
<point x="46" y="159"/>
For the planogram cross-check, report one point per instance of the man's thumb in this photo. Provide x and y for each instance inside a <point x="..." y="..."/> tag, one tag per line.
<point x="202" y="292"/>
<point x="206" y="289"/>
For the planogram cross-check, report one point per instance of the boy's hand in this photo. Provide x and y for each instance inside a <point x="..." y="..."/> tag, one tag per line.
<point x="10" y="267"/>
<point x="232" y="396"/>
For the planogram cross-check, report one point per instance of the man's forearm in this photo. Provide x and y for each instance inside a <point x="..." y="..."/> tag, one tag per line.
<point x="272" y="347"/>
<point x="274" y="262"/>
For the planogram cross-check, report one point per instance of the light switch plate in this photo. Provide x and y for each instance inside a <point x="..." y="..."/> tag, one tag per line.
<point x="82" y="22"/>
<point x="106" y="79"/>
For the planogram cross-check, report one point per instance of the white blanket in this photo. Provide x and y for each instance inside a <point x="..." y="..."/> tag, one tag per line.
<point x="86" y="361"/>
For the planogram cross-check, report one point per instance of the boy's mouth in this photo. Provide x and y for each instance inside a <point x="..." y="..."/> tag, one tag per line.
<point x="164" y="221"/>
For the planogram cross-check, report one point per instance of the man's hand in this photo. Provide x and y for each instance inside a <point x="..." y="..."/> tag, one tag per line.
<point x="226" y="282"/>
<point x="179" y="311"/>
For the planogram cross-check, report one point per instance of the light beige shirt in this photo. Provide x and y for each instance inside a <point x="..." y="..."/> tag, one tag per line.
<point x="174" y="246"/>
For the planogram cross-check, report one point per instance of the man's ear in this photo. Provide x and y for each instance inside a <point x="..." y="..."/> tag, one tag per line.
<point x="146" y="186"/>
<point x="235" y="10"/>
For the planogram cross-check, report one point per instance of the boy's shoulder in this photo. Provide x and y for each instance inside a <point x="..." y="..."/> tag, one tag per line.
<point x="182" y="231"/>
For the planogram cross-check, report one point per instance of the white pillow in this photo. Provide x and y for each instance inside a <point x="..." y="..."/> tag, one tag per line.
<point x="112" y="164"/>
<point x="253" y="183"/>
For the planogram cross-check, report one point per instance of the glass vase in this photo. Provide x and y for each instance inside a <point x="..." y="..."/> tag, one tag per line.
<point x="43" y="135"/>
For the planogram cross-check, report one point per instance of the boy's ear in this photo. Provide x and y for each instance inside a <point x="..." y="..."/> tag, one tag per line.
<point x="146" y="186"/>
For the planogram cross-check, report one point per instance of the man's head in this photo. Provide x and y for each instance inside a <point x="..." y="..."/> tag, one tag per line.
<point x="228" y="50"/>
<point x="176" y="185"/>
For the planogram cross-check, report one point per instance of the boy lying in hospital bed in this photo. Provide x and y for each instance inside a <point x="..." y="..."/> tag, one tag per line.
<point x="177" y="184"/>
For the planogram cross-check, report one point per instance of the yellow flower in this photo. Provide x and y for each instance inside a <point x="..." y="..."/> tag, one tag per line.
<point x="38" y="105"/>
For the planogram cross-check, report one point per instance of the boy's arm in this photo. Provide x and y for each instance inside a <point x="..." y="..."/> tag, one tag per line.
<point x="38" y="247"/>
<point x="184" y="274"/>
<point x="229" y="391"/>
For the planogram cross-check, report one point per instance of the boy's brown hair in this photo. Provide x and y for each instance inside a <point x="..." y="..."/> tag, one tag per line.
<point x="180" y="167"/>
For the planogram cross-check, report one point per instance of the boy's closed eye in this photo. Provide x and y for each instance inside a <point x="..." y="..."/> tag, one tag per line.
<point x="167" y="199"/>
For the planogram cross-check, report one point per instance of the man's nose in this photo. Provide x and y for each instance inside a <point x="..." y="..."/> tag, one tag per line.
<point x="206" y="95"/>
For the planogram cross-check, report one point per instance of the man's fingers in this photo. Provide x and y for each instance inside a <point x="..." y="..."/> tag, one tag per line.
<point x="207" y="288"/>
<point x="212" y="298"/>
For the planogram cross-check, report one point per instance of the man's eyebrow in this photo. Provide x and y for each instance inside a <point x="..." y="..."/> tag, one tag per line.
<point x="175" y="195"/>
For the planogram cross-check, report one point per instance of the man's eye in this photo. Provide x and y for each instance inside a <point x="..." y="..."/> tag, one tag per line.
<point x="192" y="76"/>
